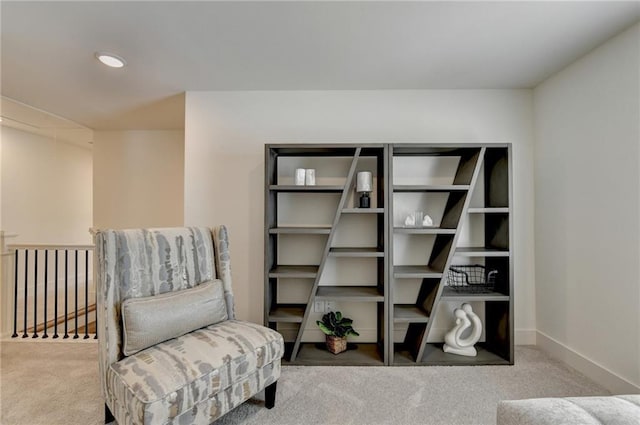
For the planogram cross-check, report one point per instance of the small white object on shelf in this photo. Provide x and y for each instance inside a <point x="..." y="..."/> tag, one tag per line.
<point x="415" y="219"/>
<point x="410" y="221"/>
<point x="427" y="221"/>
<point x="299" y="177"/>
<point x="310" y="177"/>
<point x="454" y="343"/>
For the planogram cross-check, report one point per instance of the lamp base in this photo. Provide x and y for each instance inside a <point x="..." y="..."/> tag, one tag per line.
<point x="365" y="201"/>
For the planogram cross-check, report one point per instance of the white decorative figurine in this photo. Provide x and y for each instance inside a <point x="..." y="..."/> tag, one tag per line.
<point x="454" y="343"/>
<point x="410" y="221"/>
<point x="427" y="221"/>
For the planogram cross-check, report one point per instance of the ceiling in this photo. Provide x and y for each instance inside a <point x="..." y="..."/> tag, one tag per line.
<point x="171" y="47"/>
<point x="26" y="118"/>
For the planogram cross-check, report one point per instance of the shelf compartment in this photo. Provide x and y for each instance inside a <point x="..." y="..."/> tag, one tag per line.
<point x="449" y="294"/>
<point x="424" y="230"/>
<point x="349" y="293"/>
<point x="309" y="272"/>
<point x="431" y="188"/>
<point x="416" y="272"/>
<point x="306" y="230"/>
<point x="303" y="189"/>
<point x="409" y="314"/>
<point x="287" y="313"/>
<point x="363" y="211"/>
<point x="357" y="354"/>
<point x="481" y="252"/>
<point x="356" y="252"/>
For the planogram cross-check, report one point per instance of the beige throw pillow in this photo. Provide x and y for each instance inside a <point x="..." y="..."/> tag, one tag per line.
<point x="147" y="321"/>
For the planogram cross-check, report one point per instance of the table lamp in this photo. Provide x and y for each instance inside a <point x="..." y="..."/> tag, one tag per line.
<point x="364" y="186"/>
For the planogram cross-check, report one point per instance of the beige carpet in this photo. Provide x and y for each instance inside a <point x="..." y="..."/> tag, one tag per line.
<point x="57" y="384"/>
<point x="49" y="383"/>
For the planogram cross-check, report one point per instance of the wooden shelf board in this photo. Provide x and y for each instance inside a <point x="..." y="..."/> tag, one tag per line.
<point x="362" y="210"/>
<point x="448" y="294"/>
<point x="437" y="149"/>
<point x="316" y="354"/>
<point x="424" y="230"/>
<point x="409" y="314"/>
<point x="416" y="272"/>
<point x="355" y="252"/>
<point x="481" y="252"/>
<point x="433" y="355"/>
<point x="294" y="271"/>
<point x="289" y="314"/>
<point x="310" y="230"/>
<point x="349" y="293"/>
<point x="431" y="188"/>
<point x="295" y="188"/>
<point x="323" y="150"/>
<point x="488" y="210"/>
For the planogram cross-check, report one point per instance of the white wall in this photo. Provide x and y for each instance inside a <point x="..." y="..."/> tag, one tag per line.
<point x="138" y="179"/>
<point x="1" y="228"/>
<point x="587" y="182"/>
<point x="46" y="189"/>
<point x="225" y="133"/>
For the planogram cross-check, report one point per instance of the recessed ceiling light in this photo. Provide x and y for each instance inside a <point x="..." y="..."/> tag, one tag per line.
<point x="111" y="60"/>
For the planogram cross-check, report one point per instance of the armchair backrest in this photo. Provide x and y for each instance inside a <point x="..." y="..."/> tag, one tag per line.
<point x="137" y="263"/>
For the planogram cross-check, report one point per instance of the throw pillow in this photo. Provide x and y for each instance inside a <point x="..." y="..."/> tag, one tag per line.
<point x="146" y="321"/>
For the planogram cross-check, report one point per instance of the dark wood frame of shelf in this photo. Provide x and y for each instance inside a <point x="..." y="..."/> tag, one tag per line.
<point x="469" y="166"/>
<point x="300" y="313"/>
<point x="496" y="158"/>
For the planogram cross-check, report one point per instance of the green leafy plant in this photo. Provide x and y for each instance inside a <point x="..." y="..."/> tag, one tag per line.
<point x="333" y="324"/>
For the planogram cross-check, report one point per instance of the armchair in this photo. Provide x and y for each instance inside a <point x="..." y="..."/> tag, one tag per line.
<point x="171" y="350"/>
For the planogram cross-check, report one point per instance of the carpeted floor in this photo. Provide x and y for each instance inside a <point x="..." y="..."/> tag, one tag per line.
<point x="57" y="384"/>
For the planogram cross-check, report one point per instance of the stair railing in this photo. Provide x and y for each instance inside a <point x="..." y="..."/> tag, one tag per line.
<point x="53" y="292"/>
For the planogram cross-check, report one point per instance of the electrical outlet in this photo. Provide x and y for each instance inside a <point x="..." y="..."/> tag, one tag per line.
<point x="331" y="306"/>
<point x="318" y="306"/>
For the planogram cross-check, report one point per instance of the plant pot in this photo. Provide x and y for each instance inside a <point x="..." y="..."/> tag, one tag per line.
<point x="336" y="344"/>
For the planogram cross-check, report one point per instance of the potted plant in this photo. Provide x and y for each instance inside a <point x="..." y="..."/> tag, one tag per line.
<point x="336" y="328"/>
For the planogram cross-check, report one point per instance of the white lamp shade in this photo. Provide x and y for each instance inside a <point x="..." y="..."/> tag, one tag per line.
<point x="364" y="182"/>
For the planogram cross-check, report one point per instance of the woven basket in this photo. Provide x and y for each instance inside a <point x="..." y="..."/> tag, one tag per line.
<point x="336" y="344"/>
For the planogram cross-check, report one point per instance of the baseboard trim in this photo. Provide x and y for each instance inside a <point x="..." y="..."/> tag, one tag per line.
<point x="611" y="381"/>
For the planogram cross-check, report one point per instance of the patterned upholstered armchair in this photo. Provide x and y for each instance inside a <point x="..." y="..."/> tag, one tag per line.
<point x="171" y="351"/>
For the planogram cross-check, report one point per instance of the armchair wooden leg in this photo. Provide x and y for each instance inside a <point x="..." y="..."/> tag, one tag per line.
<point x="270" y="396"/>
<point x="108" y="416"/>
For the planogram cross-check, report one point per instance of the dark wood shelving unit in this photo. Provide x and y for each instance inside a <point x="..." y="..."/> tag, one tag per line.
<point x="483" y="167"/>
<point x="374" y="158"/>
<point x="477" y="164"/>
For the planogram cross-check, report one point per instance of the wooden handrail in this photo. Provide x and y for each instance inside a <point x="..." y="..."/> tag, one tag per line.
<point x="81" y="312"/>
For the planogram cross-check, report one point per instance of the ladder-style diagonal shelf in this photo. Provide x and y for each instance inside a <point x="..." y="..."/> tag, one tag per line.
<point x="418" y="317"/>
<point x="297" y="319"/>
<point x="482" y="167"/>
